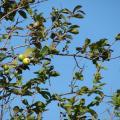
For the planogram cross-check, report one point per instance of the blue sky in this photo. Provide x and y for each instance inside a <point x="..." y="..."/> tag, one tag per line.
<point x="101" y="21"/>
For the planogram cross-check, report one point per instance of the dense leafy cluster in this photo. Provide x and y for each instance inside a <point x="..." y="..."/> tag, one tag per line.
<point x="40" y="44"/>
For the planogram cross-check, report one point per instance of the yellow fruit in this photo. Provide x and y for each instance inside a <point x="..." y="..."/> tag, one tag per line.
<point x="26" y="61"/>
<point x="6" y="67"/>
<point x="21" y="57"/>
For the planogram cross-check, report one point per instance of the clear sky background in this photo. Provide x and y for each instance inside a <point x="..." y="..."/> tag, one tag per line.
<point x="102" y="20"/>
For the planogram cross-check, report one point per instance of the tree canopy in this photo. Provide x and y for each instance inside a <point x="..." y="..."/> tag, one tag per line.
<point x="29" y="44"/>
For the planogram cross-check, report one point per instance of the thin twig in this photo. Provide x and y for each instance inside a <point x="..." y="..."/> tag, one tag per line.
<point x="69" y="93"/>
<point x="72" y="55"/>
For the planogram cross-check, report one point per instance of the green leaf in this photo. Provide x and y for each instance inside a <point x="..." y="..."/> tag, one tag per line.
<point x="97" y="77"/>
<point x="29" y="10"/>
<point x="66" y="11"/>
<point x="16" y="91"/>
<point x="78" y="76"/>
<point x="22" y="13"/>
<point x="83" y="90"/>
<point x="44" y="51"/>
<point x="74" y="26"/>
<point x="116" y="100"/>
<point x="25" y="102"/>
<point x="39" y="104"/>
<point x="2" y="56"/>
<point x="30" y="117"/>
<point x="45" y="94"/>
<point x="117" y="37"/>
<point x="11" y="16"/>
<point x="87" y="41"/>
<point x="5" y="36"/>
<point x="69" y="36"/>
<point x="1" y="39"/>
<point x="82" y="102"/>
<point x="53" y="35"/>
<point x="78" y="16"/>
<point x="77" y="8"/>
<point x="68" y="106"/>
<point x="31" y="1"/>
<point x="93" y="113"/>
<point x="74" y="31"/>
<point x="56" y="97"/>
<point x="16" y="109"/>
<point x="54" y="74"/>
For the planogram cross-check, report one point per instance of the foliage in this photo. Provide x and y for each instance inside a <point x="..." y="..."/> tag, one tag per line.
<point x="35" y="35"/>
<point x="116" y="103"/>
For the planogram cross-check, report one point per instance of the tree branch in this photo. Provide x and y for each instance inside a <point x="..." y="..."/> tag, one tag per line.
<point x="73" y="55"/>
<point x="20" y="8"/>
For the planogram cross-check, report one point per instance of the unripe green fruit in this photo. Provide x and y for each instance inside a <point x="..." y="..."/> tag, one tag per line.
<point x="21" y="57"/>
<point x="6" y="67"/>
<point x="26" y="61"/>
